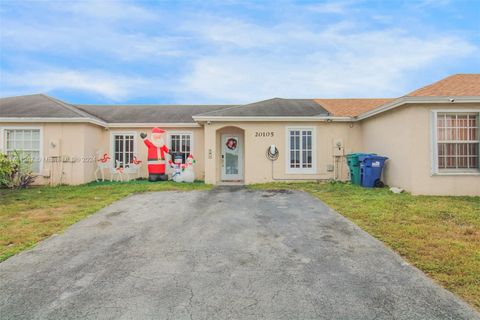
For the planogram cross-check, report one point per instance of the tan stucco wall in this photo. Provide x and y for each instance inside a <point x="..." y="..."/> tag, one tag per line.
<point x="71" y="160"/>
<point x="404" y="135"/>
<point x="141" y="149"/>
<point x="257" y="168"/>
<point x="77" y="145"/>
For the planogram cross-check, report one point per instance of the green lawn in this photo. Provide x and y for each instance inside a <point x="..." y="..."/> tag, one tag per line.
<point x="439" y="235"/>
<point x="30" y="215"/>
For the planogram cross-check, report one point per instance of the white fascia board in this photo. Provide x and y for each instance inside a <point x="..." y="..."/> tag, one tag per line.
<point x="277" y="119"/>
<point x="151" y="125"/>
<point x="420" y="100"/>
<point x="54" y="120"/>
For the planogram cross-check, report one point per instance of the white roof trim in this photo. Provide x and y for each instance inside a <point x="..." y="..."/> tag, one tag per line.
<point x="151" y="125"/>
<point x="264" y="118"/>
<point x="409" y="100"/>
<point x="45" y="119"/>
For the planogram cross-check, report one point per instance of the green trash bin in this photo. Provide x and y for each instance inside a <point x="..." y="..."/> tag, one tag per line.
<point x="354" y="166"/>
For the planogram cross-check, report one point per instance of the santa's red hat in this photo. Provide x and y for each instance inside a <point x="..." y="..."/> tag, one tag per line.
<point x="158" y="130"/>
<point x="190" y="156"/>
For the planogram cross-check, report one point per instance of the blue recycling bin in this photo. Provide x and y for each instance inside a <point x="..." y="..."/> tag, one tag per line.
<point x="371" y="167"/>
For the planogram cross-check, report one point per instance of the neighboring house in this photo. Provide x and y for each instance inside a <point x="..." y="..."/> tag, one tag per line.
<point x="431" y="137"/>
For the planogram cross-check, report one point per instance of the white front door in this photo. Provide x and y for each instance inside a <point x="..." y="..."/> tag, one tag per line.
<point x="232" y="157"/>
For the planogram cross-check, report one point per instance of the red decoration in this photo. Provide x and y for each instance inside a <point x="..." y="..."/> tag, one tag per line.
<point x="104" y="159"/>
<point x="231" y="143"/>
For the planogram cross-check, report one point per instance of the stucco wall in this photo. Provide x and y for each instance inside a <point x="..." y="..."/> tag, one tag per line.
<point x="259" y="169"/>
<point x="65" y="150"/>
<point x="72" y="160"/>
<point x="404" y="135"/>
<point x="141" y="149"/>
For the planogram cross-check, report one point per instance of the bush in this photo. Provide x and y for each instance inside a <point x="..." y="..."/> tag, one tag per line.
<point x="6" y="169"/>
<point x="16" y="171"/>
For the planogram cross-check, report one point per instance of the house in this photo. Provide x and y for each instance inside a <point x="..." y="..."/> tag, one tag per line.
<point x="431" y="137"/>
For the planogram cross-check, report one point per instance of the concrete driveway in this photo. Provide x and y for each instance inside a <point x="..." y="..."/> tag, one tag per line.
<point x="222" y="254"/>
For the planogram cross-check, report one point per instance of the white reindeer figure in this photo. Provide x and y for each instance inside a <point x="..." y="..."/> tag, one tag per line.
<point x="134" y="167"/>
<point x="102" y="164"/>
<point x="117" y="173"/>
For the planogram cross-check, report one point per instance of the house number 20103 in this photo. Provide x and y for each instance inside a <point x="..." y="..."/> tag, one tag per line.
<point x="264" y="134"/>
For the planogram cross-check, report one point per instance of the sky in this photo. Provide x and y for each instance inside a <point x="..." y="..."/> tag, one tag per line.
<point x="211" y="52"/>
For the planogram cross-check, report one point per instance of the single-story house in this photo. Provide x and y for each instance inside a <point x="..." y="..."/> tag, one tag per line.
<point x="431" y="137"/>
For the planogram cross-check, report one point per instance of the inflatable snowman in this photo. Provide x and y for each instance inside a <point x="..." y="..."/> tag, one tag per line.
<point x="188" y="174"/>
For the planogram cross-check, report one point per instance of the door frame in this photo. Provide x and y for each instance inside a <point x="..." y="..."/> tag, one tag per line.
<point x="223" y="175"/>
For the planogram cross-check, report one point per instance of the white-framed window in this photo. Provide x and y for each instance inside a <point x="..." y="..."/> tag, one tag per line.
<point x="181" y="142"/>
<point x="27" y="142"/>
<point x="124" y="148"/>
<point x="456" y="142"/>
<point x="301" y="150"/>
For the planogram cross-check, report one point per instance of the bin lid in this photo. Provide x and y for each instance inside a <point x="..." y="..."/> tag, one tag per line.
<point x="359" y="154"/>
<point x="371" y="157"/>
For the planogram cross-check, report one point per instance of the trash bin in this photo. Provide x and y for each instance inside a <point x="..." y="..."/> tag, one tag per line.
<point x="371" y="167"/>
<point x="353" y="163"/>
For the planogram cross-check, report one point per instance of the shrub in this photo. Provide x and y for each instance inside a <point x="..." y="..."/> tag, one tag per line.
<point x="6" y="169"/>
<point x="16" y="171"/>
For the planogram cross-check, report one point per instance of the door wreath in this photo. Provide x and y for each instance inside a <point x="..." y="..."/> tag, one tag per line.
<point x="231" y="143"/>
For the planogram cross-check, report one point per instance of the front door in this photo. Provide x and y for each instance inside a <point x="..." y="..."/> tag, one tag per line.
<point x="232" y="157"/>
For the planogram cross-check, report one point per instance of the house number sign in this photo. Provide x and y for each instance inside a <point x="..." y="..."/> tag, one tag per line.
<point x="262" y="134"/>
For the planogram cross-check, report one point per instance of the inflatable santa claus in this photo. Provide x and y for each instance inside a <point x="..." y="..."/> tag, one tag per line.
<point x="157" y="152"/>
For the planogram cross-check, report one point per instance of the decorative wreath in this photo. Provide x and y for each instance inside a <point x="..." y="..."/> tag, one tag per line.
<point x="231" y="143"/>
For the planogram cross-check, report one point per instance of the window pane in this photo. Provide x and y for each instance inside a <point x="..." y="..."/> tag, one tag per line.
<point x="26" y="142"/>
<point x="441" y="162"/>
<point x="473" y="134"/>
<point x="473" y="149"/>
<point x="451" y="162"/>
<point x="473" y="162"/>
<point x="308" y="159"/>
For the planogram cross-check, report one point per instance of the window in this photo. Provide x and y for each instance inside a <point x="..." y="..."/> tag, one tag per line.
<point x="457" y="145"/>
<point x="300" y="150"/>
<point x="124" y="148"/>
<point x="181" y="143"/>
<point x="26" y="142"/>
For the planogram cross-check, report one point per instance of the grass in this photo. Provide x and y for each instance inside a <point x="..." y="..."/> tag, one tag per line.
<point x="439" y="235"/>
<point x="30" y="215"/>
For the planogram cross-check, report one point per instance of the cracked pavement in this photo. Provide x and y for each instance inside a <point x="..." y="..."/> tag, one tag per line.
<point x="228" y="253"/>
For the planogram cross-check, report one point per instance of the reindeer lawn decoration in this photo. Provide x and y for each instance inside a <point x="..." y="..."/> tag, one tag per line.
<point x="102" y="164"/>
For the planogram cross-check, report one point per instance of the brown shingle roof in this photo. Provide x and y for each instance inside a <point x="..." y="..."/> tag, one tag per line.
<point x="455" y="85"/>
<point x="350" y="107"/>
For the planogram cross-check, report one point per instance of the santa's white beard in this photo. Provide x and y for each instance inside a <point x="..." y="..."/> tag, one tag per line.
<point x="158" y="142"/>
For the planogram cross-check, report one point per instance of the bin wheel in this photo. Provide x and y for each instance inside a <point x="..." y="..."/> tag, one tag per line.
<point x="379" y="184"/>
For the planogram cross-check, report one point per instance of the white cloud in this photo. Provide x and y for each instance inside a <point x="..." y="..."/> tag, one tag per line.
<point x="114" y="87"/>
<point x="332" y="7"/>
<point x="125" y="50"/>
<point x="340" y="61"/>
<point x="99" y="27"/>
